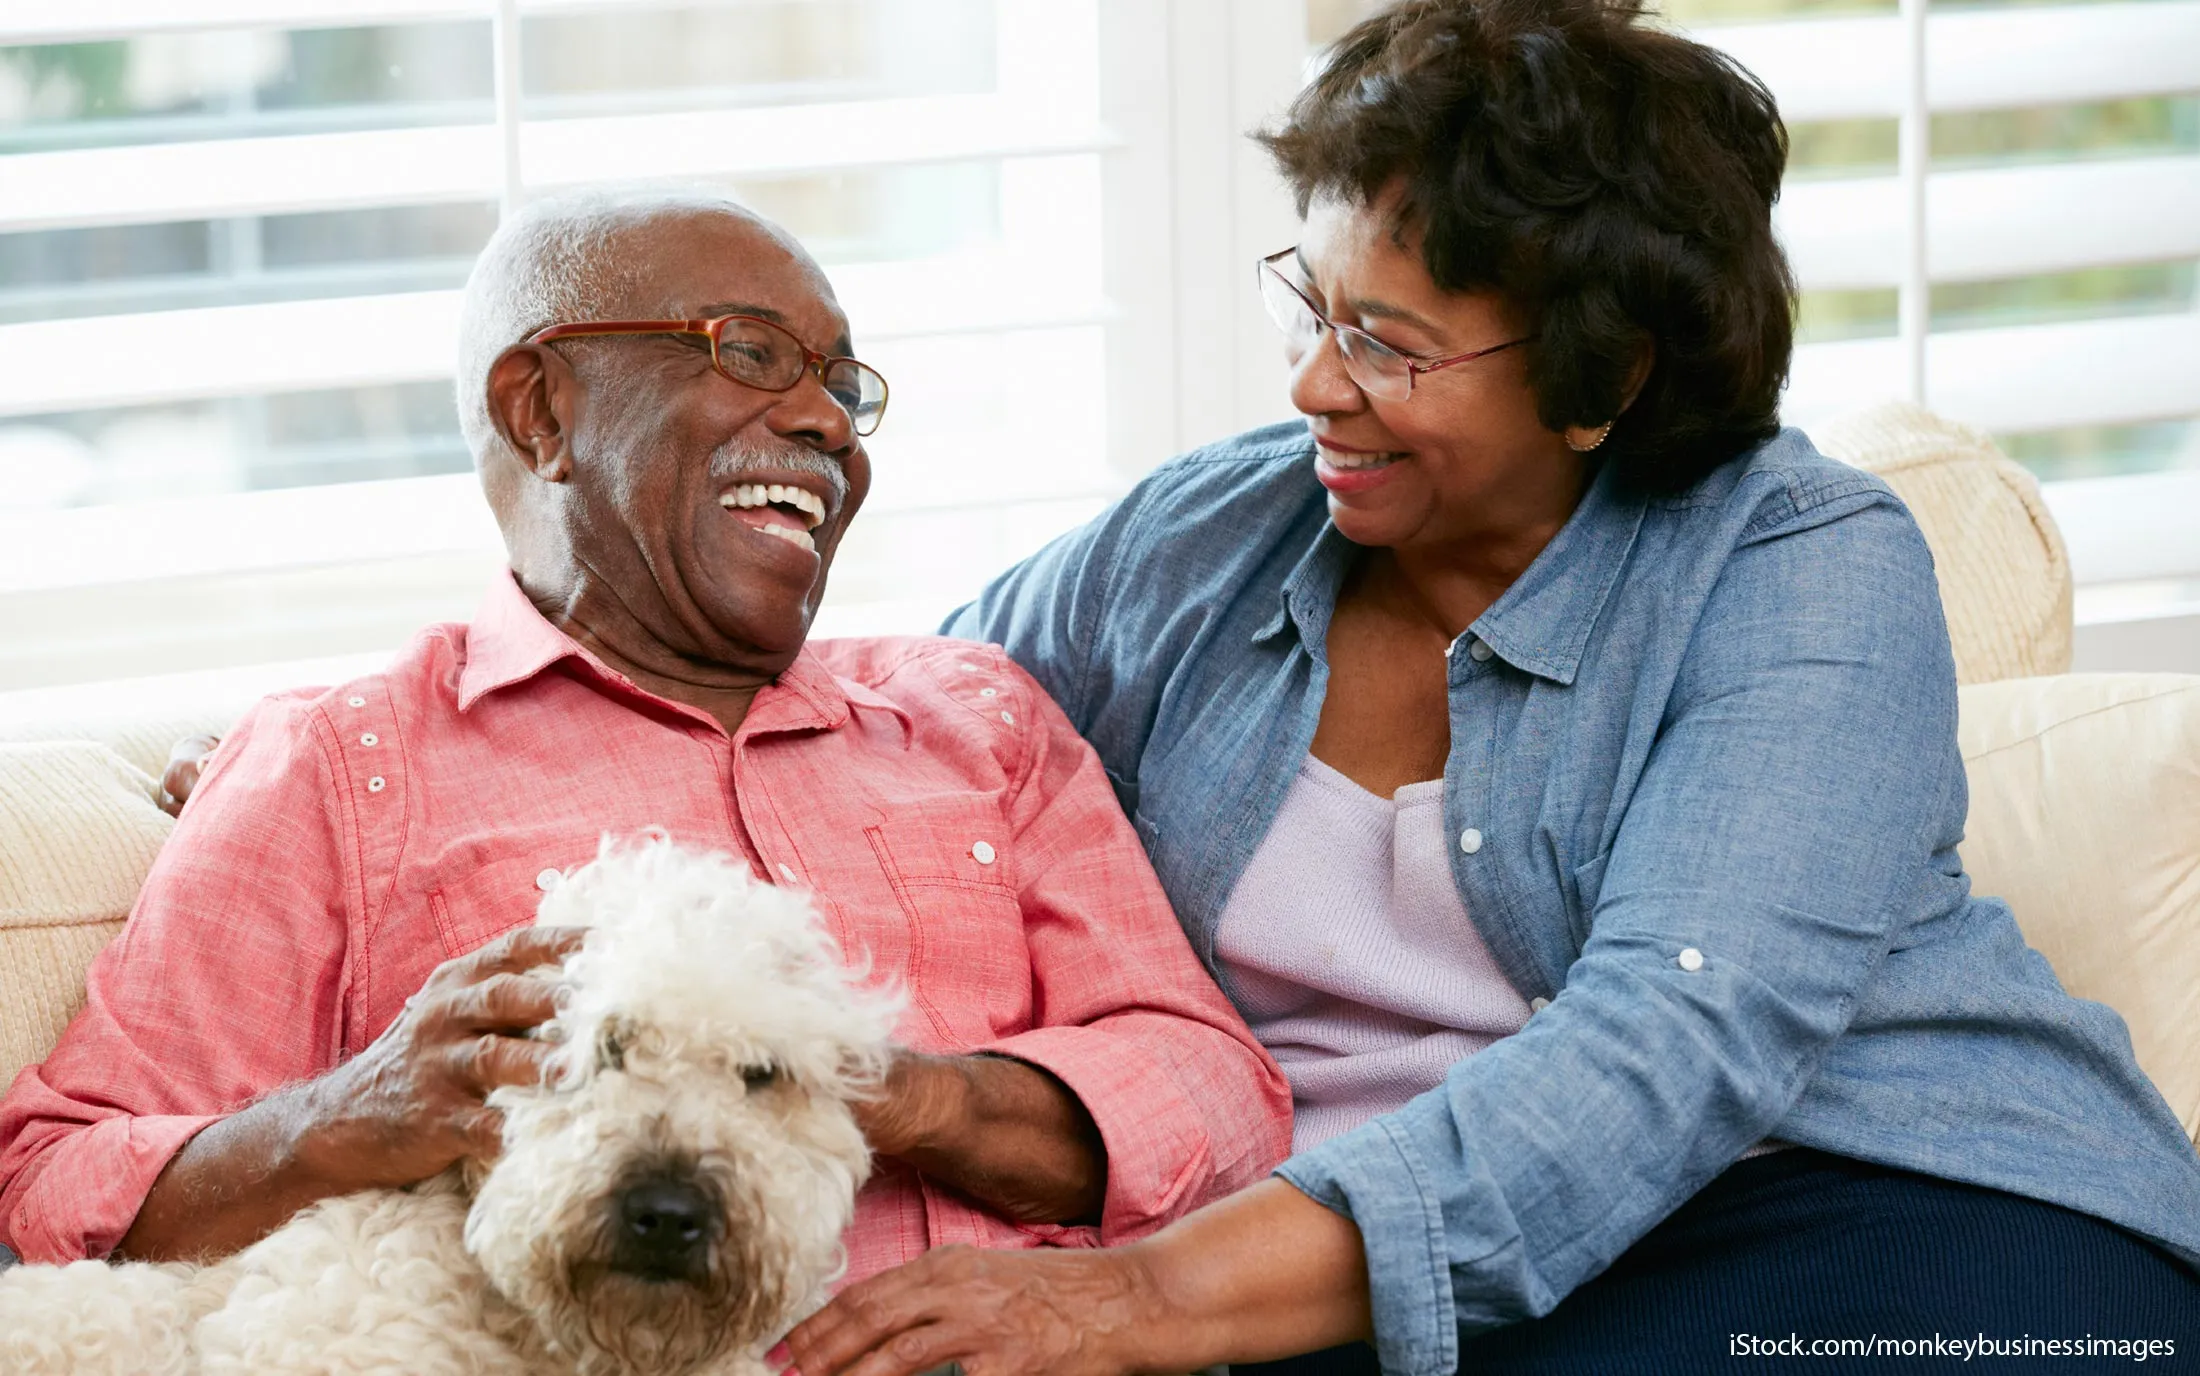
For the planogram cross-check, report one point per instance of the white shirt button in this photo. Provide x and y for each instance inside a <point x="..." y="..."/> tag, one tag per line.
<point x="1538" y="1005"/>
<point x="786" y="872"/>
<point x="1009" y="718"/>
<point x="989" y="692"/>
<point x="356" y="701"/>
<point x="1470" y="840"/>
<point x="377" y="784"/>
<point x="1480" y="652"/>
<point x="982" y="851"/>
<point x="1691" y="959"/>
<point x="548" y="880"/>
<point x="370" y="739"/>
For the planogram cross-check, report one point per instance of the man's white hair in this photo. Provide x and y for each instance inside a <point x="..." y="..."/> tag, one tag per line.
<point x="557" y="259"/>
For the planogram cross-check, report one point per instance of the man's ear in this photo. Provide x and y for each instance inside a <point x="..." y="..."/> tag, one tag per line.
<point x="531" y="391"/>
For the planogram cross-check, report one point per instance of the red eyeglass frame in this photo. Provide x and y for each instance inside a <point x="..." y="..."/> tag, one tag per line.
<point x="813" y="362"/>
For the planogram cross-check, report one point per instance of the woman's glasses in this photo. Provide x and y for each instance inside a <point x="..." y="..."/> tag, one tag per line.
<point x="757" y="353"/>
<point x="1375" y="367"/>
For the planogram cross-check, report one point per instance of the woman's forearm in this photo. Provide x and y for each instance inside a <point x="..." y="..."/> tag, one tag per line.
<point x="1005" y="1133"/>
<point x="1260" y="1275"/>
<point x="1263" y="1274"/>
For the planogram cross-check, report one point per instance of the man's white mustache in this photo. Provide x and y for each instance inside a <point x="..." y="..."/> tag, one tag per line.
<point x="730" y="463"/>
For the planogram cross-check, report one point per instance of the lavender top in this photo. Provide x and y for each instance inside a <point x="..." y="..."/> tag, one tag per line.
<point x="1350" y="952"/>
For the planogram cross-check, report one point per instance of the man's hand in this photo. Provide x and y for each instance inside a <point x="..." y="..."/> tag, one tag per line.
<point x="413" y="1102"/>
<point x="1002" y="1131"/>
<point x="185" y="759"/>
<point x="401" y="1111"/>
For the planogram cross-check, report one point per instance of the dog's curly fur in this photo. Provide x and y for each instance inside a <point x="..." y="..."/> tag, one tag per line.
<point x="710" y="1034"/>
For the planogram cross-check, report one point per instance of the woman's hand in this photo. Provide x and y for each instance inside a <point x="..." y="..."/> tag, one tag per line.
<point x="185" y="759"/>
<point x="1265" y="1273"/>
<point x="996" y="1313"/>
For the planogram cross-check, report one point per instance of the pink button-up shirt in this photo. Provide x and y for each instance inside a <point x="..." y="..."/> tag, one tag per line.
<point x="342" y="844"/>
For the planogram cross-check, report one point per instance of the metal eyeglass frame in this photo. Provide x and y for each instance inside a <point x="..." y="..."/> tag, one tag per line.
<point x="1266" y="270"/>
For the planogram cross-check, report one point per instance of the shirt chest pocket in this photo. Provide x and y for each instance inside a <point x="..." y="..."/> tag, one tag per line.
<point x="470" y="907"/>
<point x="476" y="907"/>
<point x="949" y="864"/>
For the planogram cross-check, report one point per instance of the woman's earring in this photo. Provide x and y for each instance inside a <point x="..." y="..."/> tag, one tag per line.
<point x="1603" y="431"/>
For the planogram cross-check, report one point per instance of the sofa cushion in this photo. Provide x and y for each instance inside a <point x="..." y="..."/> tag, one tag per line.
<point x="2085" y="816"/>
<point x="2004" y="574"/>
<point x="78" y="832"/>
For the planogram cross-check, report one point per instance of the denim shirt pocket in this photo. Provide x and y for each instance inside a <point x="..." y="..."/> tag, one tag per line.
<point x="1586" y="882"/>
<point x="952" y="872"/>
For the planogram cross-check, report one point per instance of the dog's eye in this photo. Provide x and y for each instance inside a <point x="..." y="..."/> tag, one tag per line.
<point x="610" y="1051"/>
<point x="758" y="1076"/>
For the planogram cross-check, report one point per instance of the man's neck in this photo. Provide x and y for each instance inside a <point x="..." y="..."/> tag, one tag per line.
<point x="604" y="628"/>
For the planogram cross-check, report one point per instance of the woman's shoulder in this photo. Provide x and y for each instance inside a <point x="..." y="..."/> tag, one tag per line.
<point x="1782" y="486"/>
<point x="1243" y="479"/>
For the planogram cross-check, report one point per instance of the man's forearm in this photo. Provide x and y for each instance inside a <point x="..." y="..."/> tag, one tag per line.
<point x="1002" y="1131"/>
<point x="231" y="1185"/>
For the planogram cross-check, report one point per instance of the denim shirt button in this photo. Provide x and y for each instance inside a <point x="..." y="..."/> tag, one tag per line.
<point x="1537" y="1005"/>
<point x="1470" y="840"/>
<point x="1691" y="959"/>
<point x="1480" y="651"/>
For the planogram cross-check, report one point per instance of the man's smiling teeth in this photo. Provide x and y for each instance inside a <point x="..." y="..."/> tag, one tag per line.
<point x="790" y="535"/>
<point x="801" y="499"/>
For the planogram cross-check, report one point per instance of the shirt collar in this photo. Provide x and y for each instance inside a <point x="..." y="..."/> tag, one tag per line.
<point x="1542" y="623"/>
<point x="1308" y="597"/>
<point x="510" y="641"/>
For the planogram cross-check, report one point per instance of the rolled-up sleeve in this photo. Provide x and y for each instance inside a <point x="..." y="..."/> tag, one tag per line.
<point x="225" y="983"/>
<point x="1188" y="1104"/>
<point x="1802" y="781"/>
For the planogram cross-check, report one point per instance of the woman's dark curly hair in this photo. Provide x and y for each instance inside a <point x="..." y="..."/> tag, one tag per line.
<point x="1611" y="180"/>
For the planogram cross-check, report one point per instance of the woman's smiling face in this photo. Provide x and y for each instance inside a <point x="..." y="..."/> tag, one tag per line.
<point x="1466" y="447"/>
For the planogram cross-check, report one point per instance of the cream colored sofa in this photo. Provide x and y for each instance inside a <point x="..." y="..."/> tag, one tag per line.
<point x="2085" y="789"/>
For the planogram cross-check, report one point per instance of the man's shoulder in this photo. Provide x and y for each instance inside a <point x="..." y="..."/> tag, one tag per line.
<point x="899" y="667"/>
<point x="423" y="675"/>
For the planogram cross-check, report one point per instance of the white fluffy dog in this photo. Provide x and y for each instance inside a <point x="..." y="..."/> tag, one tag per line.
<point x="671" y="1199"/>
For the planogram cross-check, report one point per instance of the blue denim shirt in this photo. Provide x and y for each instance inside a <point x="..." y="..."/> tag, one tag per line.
<point x="1709" y="798"/>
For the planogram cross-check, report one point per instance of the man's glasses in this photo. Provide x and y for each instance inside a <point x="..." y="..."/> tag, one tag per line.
<point x="1375" y="367"/>
<point x="757" y="353"/>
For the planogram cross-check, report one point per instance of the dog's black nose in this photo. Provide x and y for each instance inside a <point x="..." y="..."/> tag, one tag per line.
<point x="664" y="1227"/>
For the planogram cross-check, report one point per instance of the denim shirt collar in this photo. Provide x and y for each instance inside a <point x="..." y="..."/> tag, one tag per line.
<point x="1541" y="624"/>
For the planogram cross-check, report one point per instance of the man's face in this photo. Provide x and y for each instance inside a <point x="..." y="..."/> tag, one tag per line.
<point x="666" y="449"/>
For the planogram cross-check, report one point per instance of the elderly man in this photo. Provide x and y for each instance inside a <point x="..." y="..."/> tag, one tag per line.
<point x="323" y="975"/>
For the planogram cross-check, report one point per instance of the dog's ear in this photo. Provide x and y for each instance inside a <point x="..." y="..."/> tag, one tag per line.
<point x="612" y="1039"/>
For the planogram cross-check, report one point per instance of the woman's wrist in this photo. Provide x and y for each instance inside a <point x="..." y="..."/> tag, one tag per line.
<point x="1166" y="1329"/>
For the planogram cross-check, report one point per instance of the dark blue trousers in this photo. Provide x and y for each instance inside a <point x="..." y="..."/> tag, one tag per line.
<point x="1799" y="1246"/>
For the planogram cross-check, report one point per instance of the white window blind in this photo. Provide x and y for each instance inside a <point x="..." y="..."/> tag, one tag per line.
<point x="2057" y="251"/>
<point x="232" y="233"/>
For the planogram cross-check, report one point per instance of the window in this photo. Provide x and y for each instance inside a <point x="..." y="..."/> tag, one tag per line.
<point x="232" y="233"/>
<point x="2061" y="243"/>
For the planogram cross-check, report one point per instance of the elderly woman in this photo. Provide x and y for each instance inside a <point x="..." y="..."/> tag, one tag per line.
<point x="1557" y="763"/>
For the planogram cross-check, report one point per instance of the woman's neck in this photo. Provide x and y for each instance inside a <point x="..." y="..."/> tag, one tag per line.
<point x="1451" y="581"/>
